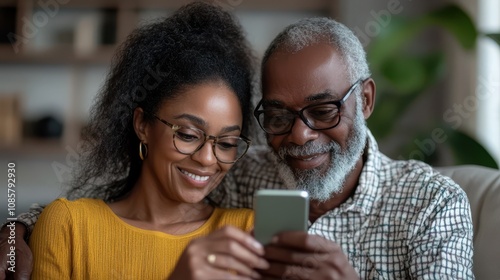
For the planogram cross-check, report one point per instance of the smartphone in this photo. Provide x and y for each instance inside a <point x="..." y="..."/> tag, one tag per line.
<point x="279" y="210"/>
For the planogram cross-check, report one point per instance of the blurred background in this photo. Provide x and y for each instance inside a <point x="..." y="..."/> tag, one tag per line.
<point x="436" y="65"/>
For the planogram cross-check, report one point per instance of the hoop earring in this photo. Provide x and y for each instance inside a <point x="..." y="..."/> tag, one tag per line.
<point x="141" y="154"/>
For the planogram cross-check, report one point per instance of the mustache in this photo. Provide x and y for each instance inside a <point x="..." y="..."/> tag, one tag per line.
<point x="308" y="149"/>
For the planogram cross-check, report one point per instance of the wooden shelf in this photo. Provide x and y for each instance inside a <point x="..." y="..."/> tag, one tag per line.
<point x="127" y="18"/>
<point x="34" y="147"/>
<point x="8" y="3"/>
<point x="263" y="5"/>
<point x="57" y="55"/>
<point x="283" y="5"/>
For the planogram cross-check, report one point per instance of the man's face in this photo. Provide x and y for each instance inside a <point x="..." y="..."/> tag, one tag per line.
<point x="315" y="160"/>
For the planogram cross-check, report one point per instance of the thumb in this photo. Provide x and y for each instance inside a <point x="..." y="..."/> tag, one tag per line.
<point x="24" y="269"/>
<point x="22" y="275"/>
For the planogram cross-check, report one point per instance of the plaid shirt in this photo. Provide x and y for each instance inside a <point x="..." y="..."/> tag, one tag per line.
<point x="404" y="221"/>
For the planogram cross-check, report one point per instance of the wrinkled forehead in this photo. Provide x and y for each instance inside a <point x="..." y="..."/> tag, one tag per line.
<point x="296" y="75"/>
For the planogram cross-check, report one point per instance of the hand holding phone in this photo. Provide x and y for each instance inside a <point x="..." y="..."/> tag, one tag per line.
<point x="279" y="210"/>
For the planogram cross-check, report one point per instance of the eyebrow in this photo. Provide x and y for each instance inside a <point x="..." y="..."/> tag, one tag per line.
<point x="325" y="95"/>
<point x="203" y="123"/>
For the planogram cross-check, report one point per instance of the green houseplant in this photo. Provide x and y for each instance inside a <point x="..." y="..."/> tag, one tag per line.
<point x="404" y="75"/>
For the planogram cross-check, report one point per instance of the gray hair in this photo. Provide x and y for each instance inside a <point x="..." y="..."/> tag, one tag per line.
<point x="307" y="32"/>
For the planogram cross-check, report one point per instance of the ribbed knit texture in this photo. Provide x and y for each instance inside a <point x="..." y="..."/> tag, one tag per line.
<point x="84" y="239"/>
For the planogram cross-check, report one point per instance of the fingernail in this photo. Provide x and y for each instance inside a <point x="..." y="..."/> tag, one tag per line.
<point x="274" y="240"/>
<point x="264" y="264"/>
<point x="258" y="246"/>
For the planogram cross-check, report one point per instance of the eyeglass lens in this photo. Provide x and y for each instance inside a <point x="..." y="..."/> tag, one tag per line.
<point x="280" y="120"/>
<point x="227" y="149"/>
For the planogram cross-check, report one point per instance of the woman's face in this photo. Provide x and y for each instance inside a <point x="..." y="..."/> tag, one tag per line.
<point x="211" y="107"/>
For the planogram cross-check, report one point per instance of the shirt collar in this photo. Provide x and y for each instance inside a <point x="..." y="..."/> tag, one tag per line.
<point x="368" y="190"/>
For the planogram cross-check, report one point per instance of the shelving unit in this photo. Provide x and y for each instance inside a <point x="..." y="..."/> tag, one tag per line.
<point x="121" y="16"/>
<point x="80" y="44"/>
<point x="77" y="34"/>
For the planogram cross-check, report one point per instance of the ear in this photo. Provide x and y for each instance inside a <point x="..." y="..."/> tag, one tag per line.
<point x="140" y="125"/>
<point x="368" y="96"/>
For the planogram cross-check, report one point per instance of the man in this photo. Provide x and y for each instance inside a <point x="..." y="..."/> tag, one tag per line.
<point x="370" y="217"/>
<point x="377" y="218"/>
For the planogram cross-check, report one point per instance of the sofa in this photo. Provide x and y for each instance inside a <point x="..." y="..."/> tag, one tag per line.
<point x="482" y="186"/>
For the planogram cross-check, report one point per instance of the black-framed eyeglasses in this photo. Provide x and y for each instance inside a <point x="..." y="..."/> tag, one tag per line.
<point x="278" y="121"/>
<point x="189" y="140"/>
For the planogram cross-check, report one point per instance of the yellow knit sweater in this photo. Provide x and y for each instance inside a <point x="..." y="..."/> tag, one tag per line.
<point x="84" y="239"/>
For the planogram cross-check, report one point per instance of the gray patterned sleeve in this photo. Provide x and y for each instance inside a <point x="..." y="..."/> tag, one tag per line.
<point x="29" y="218"/>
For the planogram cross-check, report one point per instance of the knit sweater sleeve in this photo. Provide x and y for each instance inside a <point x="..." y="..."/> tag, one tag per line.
<point x="50" y="243"/>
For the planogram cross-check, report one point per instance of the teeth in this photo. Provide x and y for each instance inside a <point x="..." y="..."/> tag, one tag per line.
<point x="308" y="159"/>
<point x="195" y="177"/>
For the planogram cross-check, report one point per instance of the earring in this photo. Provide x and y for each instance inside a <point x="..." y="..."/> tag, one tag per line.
<point x="141" y="154"/>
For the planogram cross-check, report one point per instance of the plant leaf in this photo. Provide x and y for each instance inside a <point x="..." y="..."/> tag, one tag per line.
<point x="398" y="33"/>
<point x="407" y="74"/>
<point x="402" y="31"/>
<point x="435" y="64"/>
<point x="457" y="22"/>
<point x="420" y="149"/>
<point x="494" y="36"/>
<point x="466" y="150"/>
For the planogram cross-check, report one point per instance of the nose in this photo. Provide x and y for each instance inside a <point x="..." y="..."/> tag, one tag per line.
<point x="301" y="133"/>
<point x="205" y="156"/>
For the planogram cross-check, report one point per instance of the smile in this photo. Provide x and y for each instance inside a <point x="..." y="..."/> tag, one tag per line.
<point x="307" y="158"/>
<point x="307" y="162"/>
<point x="195" y="177"/>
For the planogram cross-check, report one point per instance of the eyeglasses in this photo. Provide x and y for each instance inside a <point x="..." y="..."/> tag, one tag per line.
<point x="278" y="121"/>
<point x="189" y="140"/>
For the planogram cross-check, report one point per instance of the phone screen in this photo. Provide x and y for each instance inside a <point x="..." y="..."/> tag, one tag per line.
<point x="279" y="210"/>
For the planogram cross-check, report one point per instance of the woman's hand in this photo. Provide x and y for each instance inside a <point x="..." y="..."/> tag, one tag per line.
<point x="228" y="253"/>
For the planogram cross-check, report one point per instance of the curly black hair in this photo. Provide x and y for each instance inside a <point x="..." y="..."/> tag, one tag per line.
<point x="199" y="43"/>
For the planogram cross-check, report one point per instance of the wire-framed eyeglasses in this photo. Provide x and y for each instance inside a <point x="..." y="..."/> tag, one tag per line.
<point x="189" y="140"/>
<point x="278" y="120"/>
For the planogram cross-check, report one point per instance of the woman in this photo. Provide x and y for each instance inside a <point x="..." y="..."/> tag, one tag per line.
<point x="165" y="129"/>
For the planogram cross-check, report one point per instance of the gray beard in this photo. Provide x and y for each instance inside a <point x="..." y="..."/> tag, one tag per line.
<point x="322" y="186"/>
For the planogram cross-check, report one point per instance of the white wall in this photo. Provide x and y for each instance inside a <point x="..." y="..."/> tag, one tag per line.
<point x="488" y="78"/>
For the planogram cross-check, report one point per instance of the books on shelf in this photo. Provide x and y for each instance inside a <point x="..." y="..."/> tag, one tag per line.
<point x="10" y="119"/>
